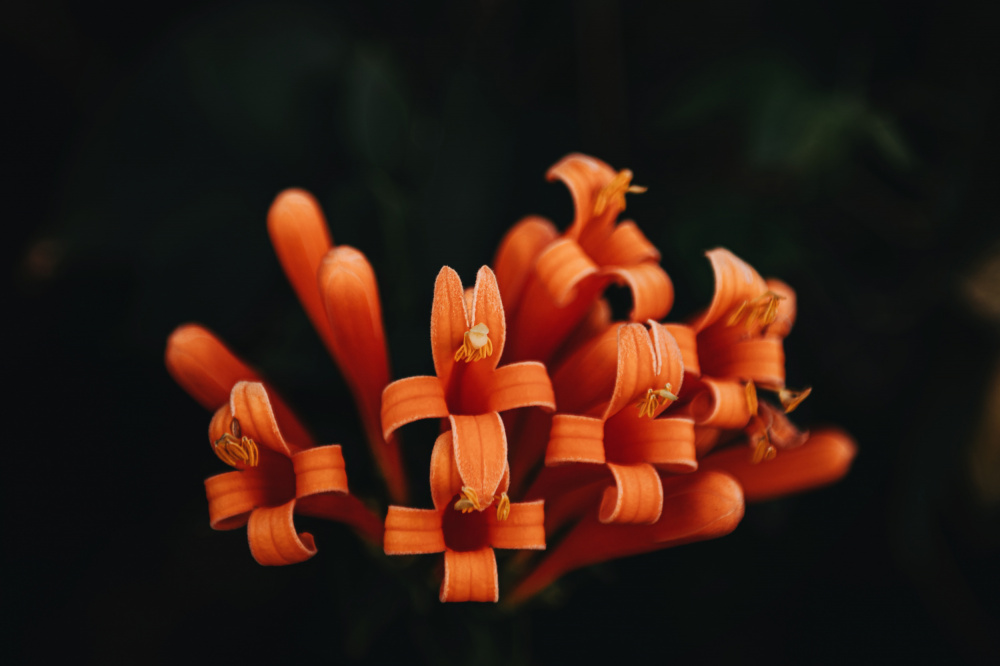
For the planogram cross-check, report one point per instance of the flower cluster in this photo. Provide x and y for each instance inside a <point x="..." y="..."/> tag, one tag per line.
<point x="561" y="430"/>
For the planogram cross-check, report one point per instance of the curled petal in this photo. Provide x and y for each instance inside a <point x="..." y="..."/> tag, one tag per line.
<point x="233" y="495"/>
<point x="207" y="370"/>
<point x="470" y="576"/>
<point x="575" y="439"/>
<point x="585" y="177"/>
<point x="720" y="404"/>
<point x="787" y="308"/>
<point x="823" y="459"/>
<point x="319" y="470"/>
<point x="585" y="381"/>
<point x="411" y="399"/>
<point x="561" y="266"/>
<point x="445" y="480"/>
<point x="488" y="309"/>
<point x="301" y="237"/>
<point x="480" y="446"/>
<point x="523" y="529"/>
<point x="626" y="246"/>
<point x="514" y="263"/>
<point x="759" y="359"/>
<point x="646" y="359"/>
<point x="413" y="531"/>
<point x="652" y="290"/>
<point x="687" y="342"/>
<point x="250" y="404"/>
<point x="518" y="385"/>
<point x="667" y="443"/>
<point x="699" y="506"/>
<point x="449" y="322"/>
<point x="273" y="539"/>
<point x="636" y="497"/>
<point x="735" y="281"/>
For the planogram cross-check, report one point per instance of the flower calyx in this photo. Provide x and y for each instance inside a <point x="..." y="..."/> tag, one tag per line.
<point x="476" y="344"/>
<point x="614" y="191"/>
<point x="234" y="447"/>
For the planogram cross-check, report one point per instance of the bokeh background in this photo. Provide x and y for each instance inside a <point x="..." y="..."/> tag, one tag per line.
<point x="846" y="147"/>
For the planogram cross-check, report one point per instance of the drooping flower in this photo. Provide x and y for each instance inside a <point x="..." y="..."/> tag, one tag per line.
<point x="338" y="290"/>
<point x="274" y="477"/>
<point x="466" y="537"/>
<point x="550" y="282"/>
<point x="610" y="393"/>
<point x="469" y="388"/>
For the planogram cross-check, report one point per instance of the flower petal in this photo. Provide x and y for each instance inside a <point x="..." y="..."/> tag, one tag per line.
<point x="735" y="281"/>
<point x="445" y="480"/>
<point x="524" y="527"/>
<point x="652" y="290"/>
<point x="585" y="380"/>
<point x="759" y="359"/>
<point x="636" y="497"/>
<point x="301" y="237"/>
<point x="488" y="309"/>
<point x="480" y="446"/>
<point x="698" y="506"/>
<point x="542" y="324"/>
<point x="449" y="322"/>
<point x="273" y="539"/>
<point x="319" y="470"/>
<point x="626" y="246"/>
<point x="207" y="370"/>
<point x="720" y="403"/>
<point x="585" y="177"/>
<point x="514" y="263"/>
<point x="233" y="495"/>
<point x="413" y="531"/>
<point x="470" y="576"/>
<point x="687" y="342"/>
<point x="787" y="309"/>
<point x="519" y="385"/>
<point x="667" y="443"/>
<point x="647" y="359"/>
<point x="561" y="267"/>
<point x="411" y="399"/>
<point x="823" y="459"/>
<point x="575" y="439"/>
<point x="250" y="404"/>
<point x="354" y="311"/>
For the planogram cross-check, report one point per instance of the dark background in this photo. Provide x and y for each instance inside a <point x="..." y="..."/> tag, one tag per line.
<point x="846" y="147"/>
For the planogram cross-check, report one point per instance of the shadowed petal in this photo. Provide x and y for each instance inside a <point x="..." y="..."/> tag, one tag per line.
<point x="413" y="531"/>
<point x="518" y="385"/>
<point x="720" y="404"/>
<point x="514" y="263"/>
<point x="759" y="359"/>
<point x="575" y="439"/>
<point x="585" y="177"/>
<point x="319" y="470"/>
<point x="561" y="267"/>
<point x="233" y="495"/>
<point x="636" y="497"/>
<point x="735" y="281"/>
<point x="470" y="576"/>
<point x="346" y="509"/>
<point x="301" y="237"/>
<point x="667" y="443"/>
<point x="585" y="381"/>
<point x="524" y="527"/>
<point x="273" y="539"/>
<point x="698" y="506"/>
<point x="480" y="446"/>
<point x="652" y="290"/>
<point x="626" y="246"/>
<point x="787" y="309"/>
<point x="823" y="459"/>
<point x="411" y="399"/>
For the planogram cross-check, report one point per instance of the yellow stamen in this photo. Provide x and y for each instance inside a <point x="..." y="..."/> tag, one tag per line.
<point x="791" y="399"/>
<point x="751" y="393"/>
<point x="233" y="447"/>
<point x="476" y="344"/>
<point x="503" y="506"/>
<point x="763" y="308"/>
<point x="763" y="450"/>
<point x="469" y="501"/>
<point x="654" y="399"/>
<point x="614" y="191"/>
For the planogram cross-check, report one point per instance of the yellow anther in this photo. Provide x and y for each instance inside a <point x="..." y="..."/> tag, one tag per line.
<point x="233" y="448"/>
<point x="476" y="344"/>
<point x="614" y="191"/>
<point x="751" y="393"/>
<point x="763" y="450"/>
<point x="792" y="399"/>
<point x="654" y="399"/>
<point x="764" y="308"/>
<point x="503" y="506"/>
<point x="469" y="501"/>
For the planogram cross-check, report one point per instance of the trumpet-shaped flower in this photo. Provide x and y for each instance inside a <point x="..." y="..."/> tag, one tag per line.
<point x="610" y="393"/>
<point x="550" y="282"/>
<point x="467" y="538"/>
<point x="469" y="388"/>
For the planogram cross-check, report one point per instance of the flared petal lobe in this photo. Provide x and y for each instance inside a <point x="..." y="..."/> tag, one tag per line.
<point x="273" y="538"/>
<point x="470" y="576"/>
<point x="515" y="259"/>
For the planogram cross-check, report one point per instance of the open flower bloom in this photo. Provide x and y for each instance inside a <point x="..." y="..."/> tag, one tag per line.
<point x="274" y="478"/>
<point x="469" y="388"/>
<point x="610" y="393"/>
<point x="337" y="288"/>
<point x="466" y="537"/>
<point x="696" y="507"/>
<point x="550" y="282"/>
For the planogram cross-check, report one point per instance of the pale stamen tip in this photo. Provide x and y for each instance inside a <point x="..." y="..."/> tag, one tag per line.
<point x="476" y="344"/>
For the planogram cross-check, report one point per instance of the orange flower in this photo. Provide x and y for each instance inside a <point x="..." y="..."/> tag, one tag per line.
<point x="469" y="389"/>
<point x="337" y="288"/>
<point x="696" y="507"/>
<point x="640" y="370"/>
<point x="550" y="282"/>
<point x="467" y="538"/>
<point x="275" y="477"/>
